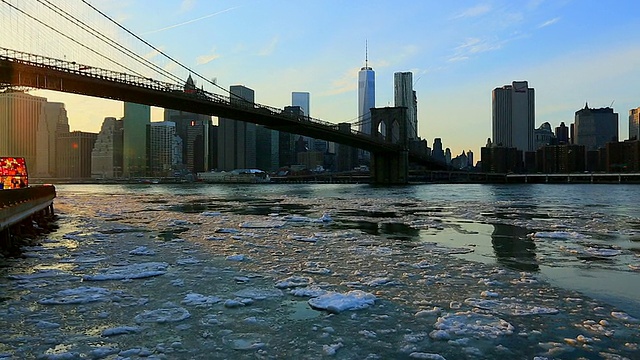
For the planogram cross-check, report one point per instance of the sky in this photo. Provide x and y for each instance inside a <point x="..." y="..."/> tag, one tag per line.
<point x="570" y="51"/>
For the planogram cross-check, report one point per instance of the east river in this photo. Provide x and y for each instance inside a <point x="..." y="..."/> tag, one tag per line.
<point x="438" y="271"/>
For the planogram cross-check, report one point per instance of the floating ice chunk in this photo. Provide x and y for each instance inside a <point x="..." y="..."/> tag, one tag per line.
<point x="214" y="238"/>
<point x="634" y="267"/>
<point x="311" y="291"/>
<point x="600" y="252"/>
<point x="331" y="349"/>
<point x="163" y="315"/>
<point x="60" y="356"/>
<point x="259" y="294"/>
<point x="428" y="312"/>
<point x="428" y="356"/>
<point x="317" y="270"/>
<point x="120" y="330"/>
<point x="511" y="308"/>
<point x="235" y="303"/>
<point x="489" y="294"/>
<point x="189" y="260"/>
<point x="382" y="282"/>
<point x="296" y="218"/>
<point x="336" y="302"/>
<point x="562" y="235"/>
<point x="325" y="218"/>
<point x="227" y="231"/>
<point x="294" y="281"/>
<point x="200" y="300"/>
<point x="47" y="325"/>
<point x="623" y="316"/>
<point x="269" y="224"/>
<point x="42" y="274"/>
<point x="103" y="352"/>
<point x="237" y="257"/>
<point x="247" y="341"/>
<point x="142" y="251"/>
<point x="311" y="239"/>
<point x="472" y="324"/>
<point x="137" y="352"/>
<point x="439" y="335"/>
<point x="80" y="295"/>
<point x="133" y="271"/>
<point x="424" y="264"/>
<point x="84" y="259"/>
<point x="178" y="222"/>
<point x="210" y="213"/>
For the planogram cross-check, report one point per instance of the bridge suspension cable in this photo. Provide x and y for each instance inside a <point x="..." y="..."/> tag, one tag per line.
<point x="69" y="37"/>
<point x="160" y="51"/>
<point x="114" y="44"/>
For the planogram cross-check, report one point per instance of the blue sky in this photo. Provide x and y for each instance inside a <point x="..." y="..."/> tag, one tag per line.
<point x="571" y="52"/>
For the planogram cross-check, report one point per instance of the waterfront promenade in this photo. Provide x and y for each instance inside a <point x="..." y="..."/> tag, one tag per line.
<point x="17" y="206"/>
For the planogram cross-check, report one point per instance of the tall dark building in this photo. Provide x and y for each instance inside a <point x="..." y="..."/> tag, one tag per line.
<point x="594" y="128"/>
<point x="287" y="141"/>
<point x="193" y="129"/>
<point x="565" y="158"/>
<point x="346" y="156"/>
<point x="73" y="154"/>
<point x="237" y="139"/>
<point x="562" y="134"/>
<point x="437" y="152"/>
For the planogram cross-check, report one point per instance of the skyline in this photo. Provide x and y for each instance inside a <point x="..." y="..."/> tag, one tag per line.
<point x="570" y="52"/>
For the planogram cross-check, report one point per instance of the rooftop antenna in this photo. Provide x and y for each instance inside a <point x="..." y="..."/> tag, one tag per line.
<point x="611" y="106"/>
<point x="366" y="53"/>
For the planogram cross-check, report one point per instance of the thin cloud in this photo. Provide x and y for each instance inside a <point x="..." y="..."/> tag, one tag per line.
<point x="187" y="5"/>
<point x="477" y="10"/>
<point x="190" y="21"/>
<point x="549" y="22"/>
<point x="205" y="59"/>
<point x="476" y="45"/>
<point x="270" y="48"/>
<point x="457" y="58"/>
<point x="343" y="84"/>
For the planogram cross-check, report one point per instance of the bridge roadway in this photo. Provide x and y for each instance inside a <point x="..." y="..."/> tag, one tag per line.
<point x="35" y="71"/>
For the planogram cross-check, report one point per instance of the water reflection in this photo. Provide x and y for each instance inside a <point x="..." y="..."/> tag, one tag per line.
<point x="513" y="248"/>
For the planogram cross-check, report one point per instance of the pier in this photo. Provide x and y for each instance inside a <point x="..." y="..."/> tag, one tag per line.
<point x="19" y="208"/>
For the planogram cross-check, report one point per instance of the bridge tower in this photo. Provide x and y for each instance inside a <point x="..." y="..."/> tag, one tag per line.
<point x="390" y="168"/>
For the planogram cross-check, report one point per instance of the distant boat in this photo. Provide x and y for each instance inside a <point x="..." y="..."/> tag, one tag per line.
<point x="239" y="176"/>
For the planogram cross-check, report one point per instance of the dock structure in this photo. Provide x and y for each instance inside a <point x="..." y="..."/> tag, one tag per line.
<point x="20" y="207"/>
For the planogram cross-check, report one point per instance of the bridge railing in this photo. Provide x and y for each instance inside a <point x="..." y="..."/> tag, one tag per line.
<point x="149" y="83"/>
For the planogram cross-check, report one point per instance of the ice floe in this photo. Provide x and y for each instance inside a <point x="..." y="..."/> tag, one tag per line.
<point x="294" y="281"/>
<point x="311" y="291"/>
<point x="338" y="302"/>
<point x="80" y="295"/>
<point x="601" y="252"/>
<point x="133" y="271"/>
<point x="266" y="224"/>
<point x="562" y="235"/>
<point x="259" y="294"/>
<point x="142" y="251"/>
<point x="511" y="307"/>
<point x="470" y="324"/>
<point x="120" y="330"/>
<point x="164" y="315"/>
<point x="200" y="300"/>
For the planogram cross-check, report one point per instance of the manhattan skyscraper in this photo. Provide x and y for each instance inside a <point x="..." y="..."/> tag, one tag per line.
<point x="405" y="96"/>
<point x="514" y="116"/>
<point x="366" y="95"/>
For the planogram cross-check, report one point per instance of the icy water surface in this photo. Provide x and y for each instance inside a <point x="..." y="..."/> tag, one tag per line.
<point x="327" y="271"/>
